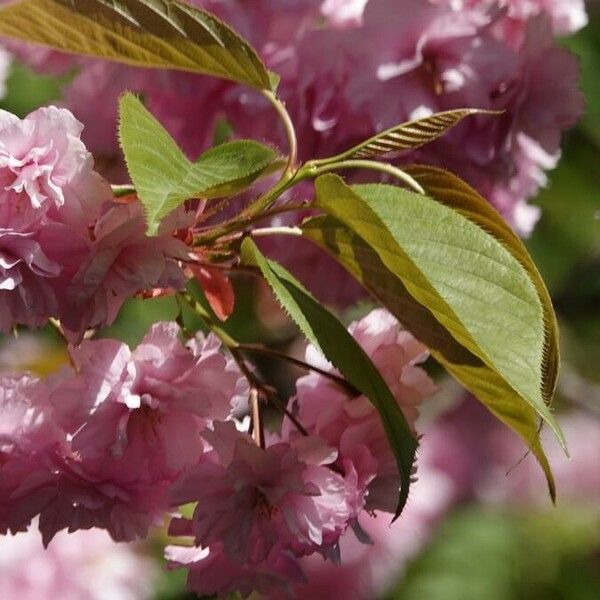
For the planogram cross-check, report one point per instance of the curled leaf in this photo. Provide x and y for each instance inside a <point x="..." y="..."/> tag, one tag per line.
<point x="409" y="135"/>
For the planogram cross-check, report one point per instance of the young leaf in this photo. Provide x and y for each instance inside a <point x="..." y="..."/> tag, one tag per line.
<point x="164" y="177"/>
<point x="484" y="383"/>
<point x="167" y="34"/>
<point x="467" y="279"/>
<point x="409" y="135"/>
<point x="225" y="170"/>
<point x="325" y="332"/>
<point x="217" y="288"/>
<point x="155" y="163"/>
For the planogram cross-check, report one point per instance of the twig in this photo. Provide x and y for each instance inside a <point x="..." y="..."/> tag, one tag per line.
<point x="258" y="431"/>
<point x="269" y="392"/>
<point x="371" y="165"/>
<point x="266" y="231"/>
<point x="235" y="268"/>
<point x="338" y="380"/>
<point x="255" y="383"/>
<point x="288" y="125"/>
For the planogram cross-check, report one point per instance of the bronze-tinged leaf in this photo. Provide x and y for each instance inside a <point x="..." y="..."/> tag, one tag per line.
<point x="166" y="34"/>
<point x="409" y="135"/>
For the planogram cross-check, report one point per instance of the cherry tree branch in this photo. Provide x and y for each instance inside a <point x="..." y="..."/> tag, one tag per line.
<point x="337" y="379"/>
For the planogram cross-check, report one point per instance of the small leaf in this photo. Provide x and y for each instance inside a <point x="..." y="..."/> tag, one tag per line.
<point x="164" y="177"/>
<point x="154" y="161"/>
<point x="217" y="288"/>
<point x="410" y="135"/>
<point x="225" y="170"/>
<point x="166" y="34"/>
<point x="325" y="332"/>
<point x="467" y="280"/>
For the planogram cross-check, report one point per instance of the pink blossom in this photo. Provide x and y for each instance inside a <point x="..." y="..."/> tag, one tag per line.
<point x="468" y="63"/>
<point x="352" y="425"/>
<point x="534" y="161"/>
<point x="24" y="424"/>
<point x="84" y="565"/>
<point x="212" y="571"/>
<point x="127" y="424"/>
<point x="51" y="480"/>
<point x="123" y="262"/>
<point x="36" y="268"/>
<point x="66" y="249"/>
<point x="27" y="435"/>
<point x="147" y="406"/>
<point x="50" y="195"/>
<point x="45" y="165"/>
<point x="368" y="570"/>
<point x="252" y="499"/>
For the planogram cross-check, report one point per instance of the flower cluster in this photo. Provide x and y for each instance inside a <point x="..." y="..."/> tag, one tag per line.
<point x="369" y="570"/>
<point x="67" y="249"/>
<point x="354" y="427"/>
<point x="100" y="443"/>
<point x="121" y="437"/>
<point x="260" y="510"/>
<point x="425" y="56"/>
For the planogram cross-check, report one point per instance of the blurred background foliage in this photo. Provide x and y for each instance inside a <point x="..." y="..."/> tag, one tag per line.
<point x="479" y="552"/>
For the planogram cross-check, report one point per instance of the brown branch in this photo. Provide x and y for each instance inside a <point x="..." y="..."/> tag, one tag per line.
<point x="337" y="379"/>
<point x="269" y="392"/>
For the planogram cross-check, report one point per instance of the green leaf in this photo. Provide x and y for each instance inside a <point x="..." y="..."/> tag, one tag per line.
<point x="469" y="295"/>
<point x="155" y="163"/>
<point x="226" y="170"/>
<point x="326" y="332"/>
<point x="455" y="193"/>
<point x="164" y="177"/>
<point x="409" y="135"/>
<point x="166" y="34"/>
<point x="493" y="391"/>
